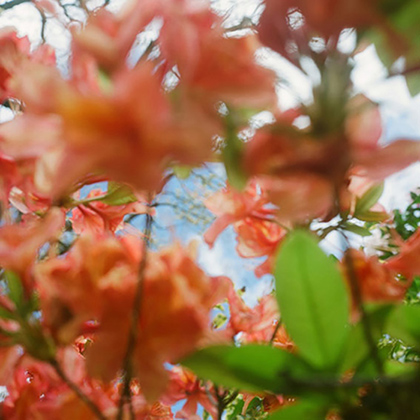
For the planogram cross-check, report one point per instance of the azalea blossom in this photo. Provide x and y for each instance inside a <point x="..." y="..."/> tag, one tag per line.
<point x="306" y="176"/>
<point x="99" y="282"/>
<point x="377" y="281"/>
<point x="406" y="262"/>
<point x="110" y="129"/>
<point x="98" y="217"/>
<point x="183" y="384"/>
<point x="258" y="231"/>
<point x="20" y="243"/>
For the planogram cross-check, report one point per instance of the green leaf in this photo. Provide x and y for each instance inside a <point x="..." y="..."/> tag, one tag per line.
<point x="303" y="410"/>
<point x="5" y="314"/>
<point x="105" y="81"/>
<point x="368" y="199"/>
<point x="313" y="300"/>
<point x="251" y="368"/>
<point x="372" y="216"/>
<point x="118" y="195"/>
<point x="395" y="369"/>
<point x="413" y="83"/>
<point x="358" y="230"/>
<point x="219" y="320"/>
<point x="357" y="350"/>
<point x="234" y="409"/>
<point x="404" y="324"/>
<point x="182" y="171"/>
<point x="15" y="288"/>
<point x="232" y="155"/>
<point x="368" y="369"/>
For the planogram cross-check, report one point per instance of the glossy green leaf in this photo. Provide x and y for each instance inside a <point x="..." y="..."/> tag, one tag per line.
<point x="118" y="195"/>
<point x="251" y="368"/>
<point x="368" y="199"/>
<point x="373" y="216"/>
<point x="313" y="300"/>
<point x="358" y="230"/>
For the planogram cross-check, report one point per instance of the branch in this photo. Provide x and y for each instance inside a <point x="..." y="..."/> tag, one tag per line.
<point x="246" y="23"/>
<point x="223" y="400"/>
<point x="43" y="22"/>
<point x="357" y="295"/>
<point x="276" y="329"/>
<point x="13" y="3"/>
<point x="133" y="333"/>
<point x="90" y="403"/>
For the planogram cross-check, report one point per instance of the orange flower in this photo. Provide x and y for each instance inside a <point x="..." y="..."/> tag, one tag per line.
<point x="280" y="25"/>
<point x="72" y="289"/>
<point x="183" y="384"/>
<point x="9" y="176"/>
<point x="106" y="39"/>
<point x="231" y="206"/>
<point x="127" y="136"/>
<point x="255" y="324"/>
<point x="258" y="238"/>
<point x="37" y="393"/>
<point x="295" y="22"/>
<point x="19" y="244"/>
<point x="12" y="50"/>
<point x="376" y="280"/>
<point x="304" y="174"/>
<point x="407" y="261"/>
<point x="175" y="314"/>
<point x="98" y="217"/>
<point x="20" y="154"/>
<point x="212" y="66"/>
<point x="177" y="299"/>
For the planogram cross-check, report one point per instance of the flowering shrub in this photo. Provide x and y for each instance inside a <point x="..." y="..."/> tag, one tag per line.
<point x="97" y="321"/>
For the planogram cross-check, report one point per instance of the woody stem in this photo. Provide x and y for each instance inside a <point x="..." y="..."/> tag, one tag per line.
<point x="90" y="403"/>
<point x="133" y="333"/>
<point x="365" y="321"/>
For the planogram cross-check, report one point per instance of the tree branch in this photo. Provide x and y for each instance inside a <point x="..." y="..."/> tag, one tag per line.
<point x="13" y="3"/>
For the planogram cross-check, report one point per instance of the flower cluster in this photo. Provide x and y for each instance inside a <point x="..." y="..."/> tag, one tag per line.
<point x="95" y="317"/>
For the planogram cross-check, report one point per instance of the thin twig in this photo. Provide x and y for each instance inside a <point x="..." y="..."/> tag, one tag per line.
<point x="209" y="395"/>
<point x="90" y="403"/>
<point x="231" y="398"/>
<point x="358" y="299"/>
<point x="133" y="333"/>
<point x="276" y="329"/>
<point x="220" y="402"/>
<point x="13" y="3"/>
<point x="43" y="22"/>
<point x="223" y="400"/>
